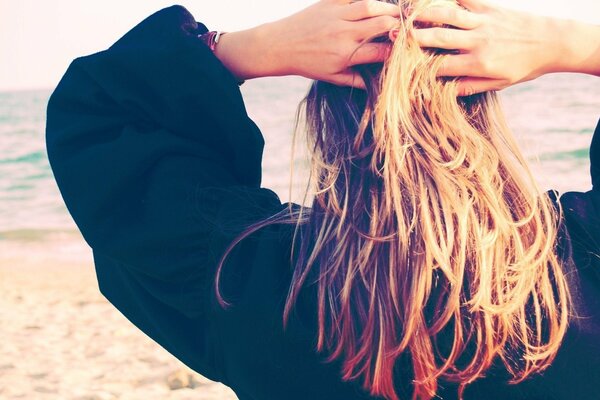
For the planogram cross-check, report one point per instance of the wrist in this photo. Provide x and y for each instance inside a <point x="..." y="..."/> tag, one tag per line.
<point x="576" y="47"/>
<point x="251" y="53"/>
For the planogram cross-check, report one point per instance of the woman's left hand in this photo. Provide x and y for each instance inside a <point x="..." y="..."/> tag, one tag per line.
<point x="321" y="42"/>
<point x="498" y="47"/>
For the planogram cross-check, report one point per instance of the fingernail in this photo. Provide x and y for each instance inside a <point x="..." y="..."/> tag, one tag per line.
<point x="394" y="34"/>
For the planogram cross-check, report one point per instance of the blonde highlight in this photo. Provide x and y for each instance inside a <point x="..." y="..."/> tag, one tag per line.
<point x="428" y="239"/>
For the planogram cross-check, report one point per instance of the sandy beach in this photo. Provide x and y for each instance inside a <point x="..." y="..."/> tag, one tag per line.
<point x="61" y="339"/>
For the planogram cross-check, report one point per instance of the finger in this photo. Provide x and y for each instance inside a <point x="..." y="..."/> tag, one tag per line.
<point x="457" y="65"/>
<point x="368" y="9"/>
<point x="471" y="86"/>
<point x="450" y="16"/>
<point x="466" y="65"/>
<point x="445" y="38"/>
<point x="375" y="26"/>
<point x="370" y="53"/>
<point x="349" y="79"/>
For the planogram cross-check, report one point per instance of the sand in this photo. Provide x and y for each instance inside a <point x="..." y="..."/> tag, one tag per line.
<point x="61" y="339"/>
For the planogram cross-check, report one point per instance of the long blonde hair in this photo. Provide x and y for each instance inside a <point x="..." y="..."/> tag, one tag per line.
<point x="428" y="239"/>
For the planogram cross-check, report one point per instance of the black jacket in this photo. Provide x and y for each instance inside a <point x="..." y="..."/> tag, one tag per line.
<point x="159" y="165"/>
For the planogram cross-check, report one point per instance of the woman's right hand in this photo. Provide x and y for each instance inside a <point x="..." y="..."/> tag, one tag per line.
<point x="499" y="47"/>
<point x="320" y="42"/>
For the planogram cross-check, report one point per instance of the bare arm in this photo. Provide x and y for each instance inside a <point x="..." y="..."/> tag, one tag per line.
<point x="501" y="47"/>
<point x="318" y="42"/>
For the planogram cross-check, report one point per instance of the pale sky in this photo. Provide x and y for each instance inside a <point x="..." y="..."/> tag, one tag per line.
<point x="39" y="38"/>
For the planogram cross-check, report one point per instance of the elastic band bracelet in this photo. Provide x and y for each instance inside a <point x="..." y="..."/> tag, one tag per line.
<point x="211" y="39"/>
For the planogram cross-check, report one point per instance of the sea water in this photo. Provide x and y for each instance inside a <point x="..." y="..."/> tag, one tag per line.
<point x="553" y="119"/>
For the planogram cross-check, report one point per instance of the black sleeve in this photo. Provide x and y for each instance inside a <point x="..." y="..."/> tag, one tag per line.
<point x="574" y="372"/>
<point x="582" y="216"/>
<point x="155" y="156"/>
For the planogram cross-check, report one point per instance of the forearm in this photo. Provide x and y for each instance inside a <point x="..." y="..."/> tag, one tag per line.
<point x="321" y="42"/>
<point x="577" y="47"/>
<point x="250" y="53"/>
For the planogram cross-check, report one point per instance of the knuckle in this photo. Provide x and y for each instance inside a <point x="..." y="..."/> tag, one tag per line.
<point x="342" y="31"/>
<point x="473" y="19"/>
<point x="482" y="19"/>
<point x="341" y="54"/>
<point x="478" y="65"/>
<point x="369" y="7"/>
<point x="485" y="66"/>
<point x="387" y="23"/>
<point x="485" y="40"/>
<point x="346" y="54"/>
<point x="452" y="15"/>
<point x="442" y="36"/>
<point x="472" y="64"/>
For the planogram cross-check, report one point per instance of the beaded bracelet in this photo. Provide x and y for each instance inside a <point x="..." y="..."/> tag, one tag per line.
<point x="211" y="39"/>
